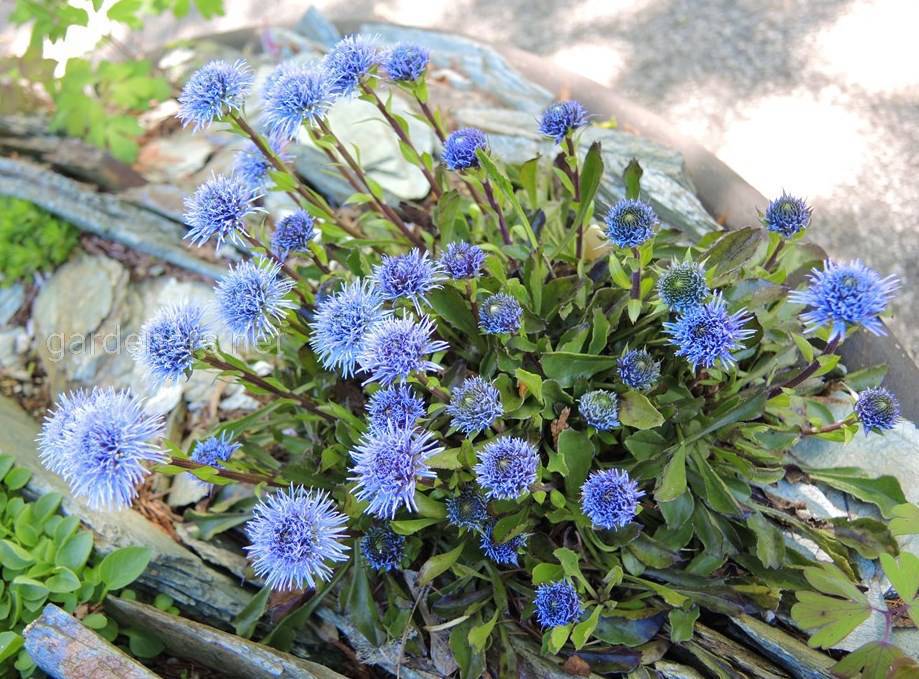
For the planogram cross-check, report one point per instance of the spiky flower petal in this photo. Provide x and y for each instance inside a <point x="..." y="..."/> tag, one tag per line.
<point x="52" y="450"/>
<point x="292" y="234"/>
<point x="877" y="409"/>
<point x="562" y="118"/>
<point x="397" y="405"/>
<point x="600" y="409"/>
<point x="467" y="510"/>
<point x="394" y="348"/>
<point x="506" y="467"/>
<point x="460" y="148"/>
<point x="638" y="369"/>
<point x="252" y="299"/>
<point x="214" y="90"/>
<point x="252" y="167"/>
<point x="683" y="286"/>
<point x="609" y="498"/>
<point x="410" y="276"/>
<point x="629" y="223"/>
<point x="350" y="60"/>
<point x="296" y="95"/>
<point x="169" y="341"/>
<point x="406" y="62"/>
<point x="462" y="260"/>
<point x="557" y="604"/>
<point x="787" y="215"/>
<point x="500" y="313"/>
<point x="382" y="547"/>
<point x="708" y="334"/>
<point x="215" y="450"/>
<point x="475" y="405"/>
<point x="218" y="209"/>
<point x="502" y="553"/>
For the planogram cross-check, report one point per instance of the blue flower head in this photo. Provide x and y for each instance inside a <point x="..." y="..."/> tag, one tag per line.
<point x="214" y="450"/>
<point x="406" y="62"/>
<point x="105" y="447"/>
<point x="252" y="300"/>
<point x="467" y="510"/>
<point x="169" y="341"/>
<point x="411" y="276"/>
<point x="52" y="450"/>
<point x="213" y="91"/>
<point x="638" y="369"/>
<point x="845" y="294"/>
<point x="877" y="409"/>
<point x="460" y="148"/>
<point x="218" y="209"/>
<point x="253" y="167"/>
<point x="600" y="409"/>
<point x="382" y="547"/>
<point x="295" y="535"/>
<point x="609" y="498"/>
<point x="629" y="223"/>
<point x="474" y="405"/>
<point x="395" y="405"/>
<point x="292" y="234"/>
<point x="387" y="463"/>
<point x="350" y="60"/>
<point x="341" y="322"/>
<point x="500" y="313"/>
<point x="502" y="553"/>
<point x="296" y="95"/>
<point x="683" y="286"/>
<point x="787" y="215"/>
<point x="506" y="467"/>
<point x="557" y="604"/>
<point x="562" y="118"/>
<point x="394" y="348"/>
<point x="708" y="334"/>
<point x="462" y="260"/>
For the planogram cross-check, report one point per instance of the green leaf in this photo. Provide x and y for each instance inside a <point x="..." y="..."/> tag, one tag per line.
<point x="591" y="174"/>
<point x="62" y="580"/>
<point x="438" y="564"/>
<point x="735" y="248"/>
<point x="123" y="566"/>
<point x="10" y="643"/>
<point x="566" y="367"/>
<point x="557" y="638"/>
<point x="17" y="478"/>
<point x="682" y="622"/>
<point x="770" y="544"/>
<point x="478" y="635"/>
<point x="74" y="553"/>
<point x="831" y="619"/>
<point x="411" y="526"/>
<point x="361" y="605"/>
<point x="631" y="177"/>
<point x="876" y="660"/>
<point x="578" y="452"/>
<point x="452" y="307"/>
<point x="582" y="631"/>
<point x="672" y="483"/>
<point x="868" y="537"/>
<point x="531" y="381"/>
<point x="635" y="410"/>
<point x="13" y="556"/>
<point x="903" y="573"/>
<point x="248" y="617"/>
<point x="884" y="491"/>
<point x="905" y="520"/>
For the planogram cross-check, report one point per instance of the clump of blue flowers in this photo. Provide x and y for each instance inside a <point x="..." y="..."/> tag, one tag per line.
<point x="396" y="405"/>
<point x="213" y="91"/>
<point x="877" y="409"/>
<point x="292" y="234"/>
<point x="252" y="299"/>
<point x="638" y="369"/>
<point x="382" y="548"/>
<point x="475" y="405"/>
<point x="215" y="450"/>
<point x="461" y="146"/>
<point x="406" y="62"/>
<point x="600" y="409"/>
<point x="253" y="167"/>
<point x="609" y="498"/>
<point x="294" y="97"/>
<point x="467" y="510"/>
<point x="395" y="348"/>
<point x="350" y="61"/>
<point x="218" y="210"/>
<point x="169" y="342"/>
<point x="462" y="260"/>
<point x="557" y="603"/>
<point x="629" y="223"/>
<point x="706" y="335"/>
<point x="410" y="276"/>
<point x="52" y="449"/>
<point x="563" y="118"/>
<point x="683" y="286"/>
<point x="507" y="467"/>
<point x="787" y="215"/>
<point x="500" y="314"/>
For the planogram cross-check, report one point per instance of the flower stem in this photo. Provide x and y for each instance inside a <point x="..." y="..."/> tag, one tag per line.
<point x="471" y="294"/>
<point x="575" y="174"/>
<point x="489" y="192"/>
<point x="293" y="275"/>
<point x="254" y="479"/>
<point x="774" y="257"/>
<point x="636" y="275"/>
<point x="808" y="371"/>
<point x="436" y="391"/>
<point x="829" y="427"/>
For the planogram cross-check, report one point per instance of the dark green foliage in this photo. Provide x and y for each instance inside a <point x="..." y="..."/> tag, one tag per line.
<point x="31" y="240"/>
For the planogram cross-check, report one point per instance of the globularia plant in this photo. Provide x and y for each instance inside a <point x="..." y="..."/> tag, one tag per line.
<point x="509" y="416"/>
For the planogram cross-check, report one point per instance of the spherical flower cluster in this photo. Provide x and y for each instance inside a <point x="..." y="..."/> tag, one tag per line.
<point x="350" y="60"/>
<point x="500" y="313"/>
<point x="638" y="369"/>
<point x="394" y="348"/>
<point x="557" y="604"/>
<point x="214" y="450"/>
<point x="341" y="322"/>
<point x="292" y="234"/>
<point x="506" y="467"/>
<point x="396" y="405"/>
<point x="169" y="341"/>
<point x="502" y="553"/>
<point x="683" y="286"/>
<point x="787" y="215"/>
<point x="406" y="62"/>
<point x="411" y="276"/>
<point x="629" y="223"/>
<point x="474" y="405"/>
<point x="460" y="148"/>
<point x="214" y="90"/>
<point x="467" y="510"/>
<point x="462" y="260"/>
<point x="252" y="166"/>
<point x="877" y="409"/>
<point x="609" y="498"/>
<point x="102" y="442"/>
<point x="252" y="298"/>
<point x="382" y="547"/>
<point x="600" y="409"/>
<point x="562" y="118"/>
<point x="295" y="534"/>
<point x="708" y="334"/>
<point x="218" y="209"/>
<point x="843" y="295"/>
<point x="296" y="95"/>
<point x="387" y="463"/>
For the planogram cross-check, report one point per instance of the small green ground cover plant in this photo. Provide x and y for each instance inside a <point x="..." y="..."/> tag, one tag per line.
<point x="31" y="240"/>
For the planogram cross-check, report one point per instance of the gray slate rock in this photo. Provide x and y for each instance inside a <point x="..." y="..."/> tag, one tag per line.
<point x="11" y="298"/>
<point x="314" y="26"/>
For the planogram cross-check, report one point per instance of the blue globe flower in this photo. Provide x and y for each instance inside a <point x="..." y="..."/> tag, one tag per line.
<point x="396" y="405"/>
<point x="638" y="369"/>
<point x="214" y="450"/>
<point x="383" y="548"/>
<point x="845" y="294"/>
<point x="877" y="409"/>
<point x="502" y="553"/>
<point x="460" y="148"/>
<point x="218" y="209"/>
<point x="295" y="535"/>
<point x="629" y="223"/>
<point x="341" y="322"/>
<point x="169" y="341"/>
<point x="683" y="286"/>
<point x="708" y="334"/>
<point x="386" y="464"/>
<point x="394" y="348"/>
<point x="213" y="91"/>
<point x="506" y="467"/>
<point x="600" y="409"/>
<point x="411" y="276"/>
<point x="292" y="234"/>
<point x="252" y="299"/>
<point x="562" y="118"/>
<point x="500" y="313"/>
<point x="406" y="62"/>
<point x="296" y="95"/>
<point x="350" y="60"/>
<point x="467" y="510"/>
<point x="557" y="604"/>
<point x="252" y="167"/>
<point x="474" y="405"/>
<point x="462" y="260"/>
<point x="609" y="498"/>
<point x="52" y="449"/>
<point x="787" y="215"/>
